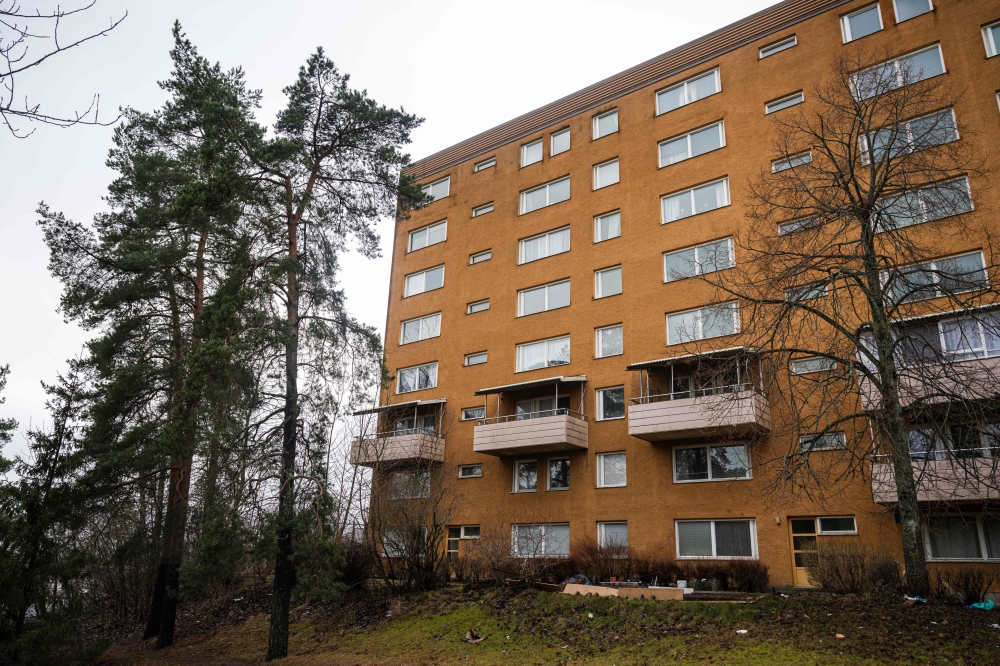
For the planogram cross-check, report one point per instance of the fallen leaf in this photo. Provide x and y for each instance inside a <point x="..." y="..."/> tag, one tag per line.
<point x="473" y="637"/>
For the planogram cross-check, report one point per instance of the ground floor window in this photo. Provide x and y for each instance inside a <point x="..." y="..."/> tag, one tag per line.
<point x="716" y="538"/>
<point x="711" y="463"/>
<point x="612" y="535"/>
<point x="967" y="537"/>
<point x="540" y="540"/>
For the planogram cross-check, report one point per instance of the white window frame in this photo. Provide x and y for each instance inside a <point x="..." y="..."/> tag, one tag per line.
<point x="991" y="45"/>
<point x="792" y="161"/>
<point x="544" y="527"/>
<point x="470" y="476"/>
<point x="720" y="124"/>
<point x="841" y="437"/>
<point x="465" y="417"/>
<point x="822" y="364"/>
<point x="895" y="11"/>
<point x="597" y="340"/>
<point x="699" y="318"/>
<point x="600" y="469"/>
<point x="488" y="163"/>
<point x="691" y="190"/>
<point x="932" y="266"/>
<point x="558" y="338"/>
<point x="468" y="357"/>
<point x="597" y="226"/>
<point x="768" y="110"/>
<point x="845" y="24"/>
<point x="546" y="186"/>
<point x="924" y="218"/>
<point x="400" y="371"/>
<point x="602" y="540"/>
<point x="427" y="230"/>
<point x="480" y="257"/>
<point x="713" y="521"/>
<point x="802" y="293"/>
<point x="599" y="400"/>
<point x="464" y="536"/>
<point x="906" y="126"/>
<point x="821" y="532"/>
<point x="406" y="279"/>
<point x="469" y="307"/>
<point x="482" y="210"/>
<point x="552" y="141"/>
<point x="515" y="467"/>
<point x="597" y="281"/>
<point x="521" y="242"/>
<point x="685" y="83"/>
<point x="597" y="118"/>
<point x="777" y="47"/>
<point x="980" y="533"/>
<point x="708" y="458"/>
<point x="524" y="152"/>
<point x="699" y="266"/>
<point x="895" y="63"/>
<point x="402" y="328"/>
<point x="597" y="171"/>
<point x="522" y="292"/>
<point x="426" y="189"/>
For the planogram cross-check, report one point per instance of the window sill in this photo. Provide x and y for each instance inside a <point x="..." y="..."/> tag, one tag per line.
<point x="556" y="490"/>
<point x="607" y="487"/>
<point x="981" y="560"/>
<point x="424" y="292"/>
<point x="522" y="492"/>
<point x="745" y="478"/>
<point x="597" y="358"/>
<point x="716" y="557"/>
<point x="616" y="418"/>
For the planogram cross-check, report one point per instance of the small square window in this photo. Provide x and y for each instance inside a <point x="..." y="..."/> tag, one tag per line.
<point x="606" y="174"/>
<point x="482" y="210"/>
<point x="611" y="405"/>
<point x="470" y="471"/>
<point x="607" y="226"/>
<point x="559" y="142"/>
<point x="608" y="341"/>
<point x="478" y="306"/>
<point x="480" y="257"/>
<point x="608" y="282"/>
<point x="475" y="359"/>
<point x="605" y="124"/>
<point x="473" y="413"/>
<point x="485" y="164"/>
<point x="525" y="476"/>
<point x="611" y="470"/>
<point x="559" y="474"/>
<point x="531" y="153"/>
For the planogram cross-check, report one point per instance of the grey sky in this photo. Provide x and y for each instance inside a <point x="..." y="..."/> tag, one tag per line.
<point x="465" y="66"/>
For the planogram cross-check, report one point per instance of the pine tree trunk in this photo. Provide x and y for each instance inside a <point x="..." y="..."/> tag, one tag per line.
<point x="173" y="547"/>
<point x="160" y="585"/>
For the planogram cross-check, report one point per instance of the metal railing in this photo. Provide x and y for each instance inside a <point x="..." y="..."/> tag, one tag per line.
<point x="399" y="432"/>
<point x="935" y="455"/>
<point x="694" y="393"/>
<point x="524" y="416"/>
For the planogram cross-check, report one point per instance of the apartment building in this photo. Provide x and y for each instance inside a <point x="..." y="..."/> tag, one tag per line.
<point x="535" y="316"/>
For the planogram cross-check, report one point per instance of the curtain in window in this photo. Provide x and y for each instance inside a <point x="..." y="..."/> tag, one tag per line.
<point x="732" y="538"/>
<point x="676" y="207"/>
<point x="953" y="537"/>
<point x="558" y="351"/>
<point x="559" y="191"/>
<point x="613" y="468"/>
<point x="701" y="87"/>
<point x="611" y="341"/>
<point x="962" y="338"/>
<point x="556" y="540"/>
<point x="559" y="241"/>
<point x="615" y="534"/>
<point x="531" y="356"/>
<point x="694" y="538"/>
<point x="706" y="140"/>
<point x="710" y="197"/>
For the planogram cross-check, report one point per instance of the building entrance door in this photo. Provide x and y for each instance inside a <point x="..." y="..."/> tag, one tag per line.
<point x="803" y="549"/>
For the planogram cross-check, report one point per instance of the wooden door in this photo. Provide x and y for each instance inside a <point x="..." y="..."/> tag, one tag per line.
<point x="803" y="549"/>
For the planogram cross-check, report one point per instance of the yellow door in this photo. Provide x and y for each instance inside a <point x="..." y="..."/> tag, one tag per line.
<point x="803" y="549"/>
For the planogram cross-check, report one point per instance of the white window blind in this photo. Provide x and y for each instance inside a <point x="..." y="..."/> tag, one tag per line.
<point x="543" y="245"/>
<point x="692" y="144"/>
<point x="689" y="91"/>
<point x="542" y="354"/>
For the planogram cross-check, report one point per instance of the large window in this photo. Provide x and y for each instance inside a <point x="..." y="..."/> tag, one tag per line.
<point x="907" y="69"/>
<point x="531" y="153"/>
<point x="708" y="322"/>
<point x="607" y="226"/>
<point x="686" y="92"/>
<point x="698" y="260"/>
<point x="608" y="341"/>
<point x="611" y="404"/>
<point x="422" y="328"/>
<point x="546" y="540"/>
<point x="539" y="299"/>
<point x="525" y="476"/>
<point x="430" y="235"/>
<point x="545" y="195"/>
<point x="911" y="136"/>
<point x="439" y="189"/>
<point x="409" y="485"/>
<point x="716" y="538"/>
<point x="559" y="474"/>
<point x="559" y="142"/>
<point x="778" y="46"/>
<point x="543" y="354"/>
<point x="429" y="280"/>
<point x="611" y="470"/>
<point x="608" y="282"/>
<point x="784" y="102"/>
<point x="907" y="9"/>
<point x="939" y="277"/>
<point x="543" y="245"/>
<point x="417" y="378"/>
<point x="692" y="144"/>
<point x="991" y="36"/>
<point x="965" y="537"/>
<point x="861" y="23"/>
<point x="606" y="174"/>
<point x="925" y="204"/>
<point x="711" y="463"/>
<point x="605" y="124"/>
<point x="612" y="535"/>
<point x="696" y="200"/>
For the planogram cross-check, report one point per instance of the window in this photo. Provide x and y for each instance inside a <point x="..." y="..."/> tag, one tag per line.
<point x="689" y="91"/>
<point x="482" y="210"/>
<point x="716" y="538"/>
<point x="431" y="235"/>
<point x="605" y="124"/>
<point x="806" y="292"/>
<point x="409" y="485"/>
<point x="991" y="36"/>
<point x="861" y="23"/>
<point x="485" y="164"/>
<point x="711" y="463"/>
<point x="543" y="245"/>
<point x="800" y="224"/>
<point x="531" y="153"/>
<point x="559" y="142"/>
<point x="696" y="200"/>
<point x="470" y="471"/>
<point x="926" y="204"/>
<point x="439" y="189"/>
<point x="540" y="299"/>
<point x="698" y="260"/>
<point x="536" y="408"/>
<point x="830" y="441"/>
<point x="473" y="413"/>
<point x="609" y="341"/>
<point x="607" y="226"/>
<point x="940" y="277"/>
<point x="546" y="540"/>
<point x="480" y="257"/>
<point x="414" y="425"/>
<point x="784" y="102"/>
<point x="429" y="280"/>
<point x="902" y="71"/>
<point x="791" y="161"/>
<point x="417" y="378"/>
<point x="470" y="531"/>
<point x="610" y="406"/>
<point x="692" y="144"/>
<point x="958" y="339"/>
<point x="397" y="541"/>
<point x="478" y="306"/>
<point x="804" y="366"/>
<point x="907" y="9"/>
<point x="423" y="328"/>
<point x="911" y="136"/>
<point x="608" y="282"/>
<point x="966" y="537"/>
<point x="611" y="470"/>
<point x="543" y="354"/>
<point x="475" y="359"/>
<point x="777" y="47"/>
<point x="612" y="535"/>
<point x="836" y="525"/>
<point x="544" y="195"/>
<point x="708" y="322"/>
<point x="559" y="474"/>
<point x="525" y="476"/>
<point x="606" y="174"/>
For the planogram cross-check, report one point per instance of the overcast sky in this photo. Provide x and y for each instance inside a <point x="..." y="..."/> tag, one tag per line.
<point x="464" y="65"/>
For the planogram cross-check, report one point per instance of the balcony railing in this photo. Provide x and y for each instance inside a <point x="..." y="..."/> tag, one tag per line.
<point x="531" y="433"/>
<point x="949" y="475"/>
<point x="404" y="446"/>
<point x="696" y="393"/>
<point x="524" y="416"/>
<point x="737" y="409"/>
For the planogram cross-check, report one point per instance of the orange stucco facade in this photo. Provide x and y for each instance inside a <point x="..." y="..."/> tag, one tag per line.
<point x="651" y="500"/>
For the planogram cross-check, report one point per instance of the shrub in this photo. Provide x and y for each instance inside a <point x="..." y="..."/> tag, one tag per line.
<point x="603" y="562"/>
<point x="748" y="576"/>
<point x="885" y="572"/>
<point x="965" y="585"/>
<point x="841" y="566"/>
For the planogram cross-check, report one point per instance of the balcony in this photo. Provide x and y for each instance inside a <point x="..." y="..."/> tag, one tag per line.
<point x="729" y="411"/>
<point x="399" y="447"/>
<point x="971" y="475"/>
<point x="532" y="433"/>
<point x="929" y="383"/>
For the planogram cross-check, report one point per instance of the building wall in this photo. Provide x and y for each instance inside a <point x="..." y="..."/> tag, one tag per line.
<point x="651" y="501"/>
